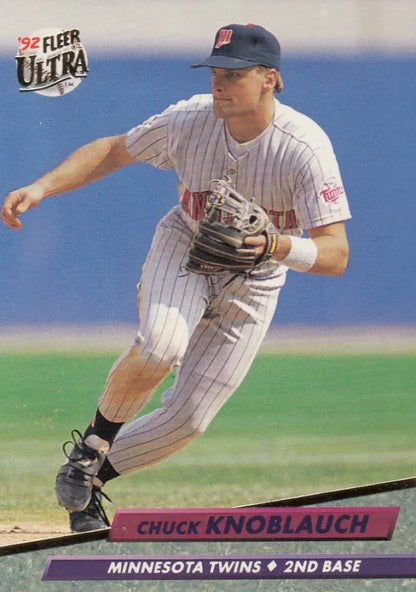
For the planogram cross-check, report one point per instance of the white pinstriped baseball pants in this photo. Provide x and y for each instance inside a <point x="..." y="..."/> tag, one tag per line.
<point x="210" y="328"/>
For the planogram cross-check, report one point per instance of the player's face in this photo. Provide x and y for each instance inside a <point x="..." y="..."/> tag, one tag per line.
<point x="238" y="93"/>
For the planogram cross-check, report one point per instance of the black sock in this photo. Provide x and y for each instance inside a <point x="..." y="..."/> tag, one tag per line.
<point x="101" y="427"/>
<point x="107" y="430"/>
<point x="107" y="472"/>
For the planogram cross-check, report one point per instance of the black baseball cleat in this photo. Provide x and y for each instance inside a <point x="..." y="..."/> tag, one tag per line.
<point x="74" y="481"/>
<point x="93" y="517"/>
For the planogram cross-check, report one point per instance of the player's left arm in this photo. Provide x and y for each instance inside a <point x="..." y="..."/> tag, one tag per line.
<point x="333" y="249"/>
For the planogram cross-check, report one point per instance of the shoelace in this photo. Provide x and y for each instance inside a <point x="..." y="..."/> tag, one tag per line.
<point x="96" y="505"/>
<point x="76" y="441"/>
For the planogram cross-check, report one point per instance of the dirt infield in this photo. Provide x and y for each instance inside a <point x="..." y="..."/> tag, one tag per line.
<point x="14" y="533"/>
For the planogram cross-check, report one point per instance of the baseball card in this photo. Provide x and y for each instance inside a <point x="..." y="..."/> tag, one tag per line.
<point x="207" y="329"/>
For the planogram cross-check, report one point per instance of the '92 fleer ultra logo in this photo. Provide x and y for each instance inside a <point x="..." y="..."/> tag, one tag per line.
<point x="51" y="62"/>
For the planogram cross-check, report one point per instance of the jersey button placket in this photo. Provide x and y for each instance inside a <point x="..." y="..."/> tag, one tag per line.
<point x="231" y="168"/>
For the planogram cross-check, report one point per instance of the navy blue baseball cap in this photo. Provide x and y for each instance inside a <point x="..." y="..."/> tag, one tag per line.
<point x="243" y="46"/>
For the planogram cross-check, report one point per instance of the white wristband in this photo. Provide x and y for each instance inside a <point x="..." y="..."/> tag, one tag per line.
<point x="302" y="254"/>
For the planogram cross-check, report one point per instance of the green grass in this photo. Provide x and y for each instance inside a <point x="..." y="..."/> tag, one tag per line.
<point x="298" y="424"/>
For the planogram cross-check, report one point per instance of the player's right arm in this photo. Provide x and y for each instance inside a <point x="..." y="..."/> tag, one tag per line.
<point x="86" y="165"/>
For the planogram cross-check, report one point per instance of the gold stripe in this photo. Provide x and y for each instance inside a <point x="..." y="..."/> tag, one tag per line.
<point x="273" y="244"/>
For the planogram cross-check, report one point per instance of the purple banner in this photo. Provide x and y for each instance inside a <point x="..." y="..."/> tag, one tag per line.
<point x="376" y="523"/>
<point x="219" y="567"/>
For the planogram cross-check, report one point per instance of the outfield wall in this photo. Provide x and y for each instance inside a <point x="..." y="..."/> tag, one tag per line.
<point x="349" y="66"/>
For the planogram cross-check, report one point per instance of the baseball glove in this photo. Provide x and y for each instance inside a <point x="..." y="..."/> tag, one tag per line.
<point x="219" y="244"/>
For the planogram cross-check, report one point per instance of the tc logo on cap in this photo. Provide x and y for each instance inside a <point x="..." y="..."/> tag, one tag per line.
<point x="224" y="38"/>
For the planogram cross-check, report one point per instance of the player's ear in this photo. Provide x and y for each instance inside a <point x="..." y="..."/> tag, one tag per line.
<point x="270" y="78"/>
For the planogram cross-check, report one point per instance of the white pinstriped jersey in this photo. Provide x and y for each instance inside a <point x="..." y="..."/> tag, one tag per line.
<point x="290" y="169"/>
<point x="210" y="327"/>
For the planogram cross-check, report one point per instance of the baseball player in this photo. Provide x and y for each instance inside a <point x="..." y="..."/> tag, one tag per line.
<point x="209" y="326"/>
